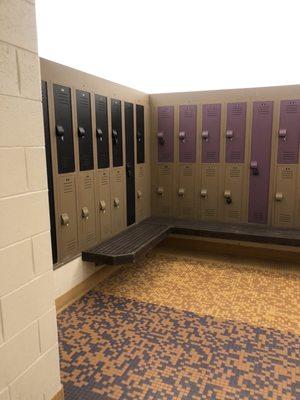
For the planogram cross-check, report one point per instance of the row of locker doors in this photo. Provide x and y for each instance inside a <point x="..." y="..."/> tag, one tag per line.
<point x="91" y="202"/>
<point x="215" y="192"/>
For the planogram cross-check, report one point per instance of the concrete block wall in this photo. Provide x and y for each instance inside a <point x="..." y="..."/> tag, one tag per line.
<point x="29" y="363"/>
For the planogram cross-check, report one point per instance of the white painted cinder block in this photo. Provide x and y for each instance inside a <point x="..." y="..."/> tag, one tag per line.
<point x="9" y="81"/>
<point x="29" y="74"/>
<point x="36" y="168"/>
<point x="17" y="21"/>
<point x="16" y="266"/>
<point x="26" y="304"/>
<point x="48" y="330"/>
<point x="12" y="171"/>
<point x="42" y="254"/>
<point x="23" y="216"/>
<point x="23" y="120"/>
<point x="18" y="354"/>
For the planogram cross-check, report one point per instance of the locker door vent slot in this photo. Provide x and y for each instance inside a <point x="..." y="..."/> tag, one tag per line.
<point x="187" y="172"/>
<point x="287" y="174"/>
<point x="210" y="212"/>
<point x="104" y="180"/>
<point x="87" y="183"/>
<point x="166" y="171"/>
<point x="235" y="155"/>
<point x="71" y="246"/>
<point x="235" y="173"/>
<point x="258" y="216"/>
<point x="90" y="237"/>
<point x="291" y="108"/>
<point x="211" y="155"/>
<point x="289" y="155"/>
<point x="285" y="218"/>
<point x="234" y="214"/>
<point x="264" y="109"/>
<point x="68" y="187"/>
<point x="210" y="172"/>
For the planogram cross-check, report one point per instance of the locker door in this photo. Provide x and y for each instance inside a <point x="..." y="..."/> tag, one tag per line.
<point x="104" y="203"/>
<point x="186" y="191"/>
<point x="260" y="162"/>
<point x="289" y="132"/>
<point x="102" y="131"/>
<point x="284" y="198"/>
<point x="140" y="192"/>
<point x="211" y="125"/>
<point x="187" y="133"/>
<point x="140" y="134"/>
<point x="86" y="212"/>
<point x="235" y="132"/>
<point x="163" y="196"/>
<point x="117" y="200"/>
<point x="116" y="122"/>
<point x="233" y="193"/>
<point x="130" y="164"/>
<point x="68" y="216"/>
<point x="64" y="129"/>
<point x="49" y="171"/>
<point x="209" y="192"/>
<point x="84" y="130"/>
<point x="165" y="133"/>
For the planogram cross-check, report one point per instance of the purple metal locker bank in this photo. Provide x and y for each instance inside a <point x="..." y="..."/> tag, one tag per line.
<point x="165" y="133"/>
<point x="187" y="133"/>
<point x="211" y="123"/>
<point x="235" y="132"/>
<point x="260" y="161"/>
<point x="289" y="132"/>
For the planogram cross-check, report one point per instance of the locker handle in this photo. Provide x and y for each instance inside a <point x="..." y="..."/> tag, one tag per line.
<point x="229" y="134"/>
<point x="203" y="193"/>
<point x="139" y="136"/>
<point x="65" y="220"/>
<point x="81" y="132"/>
<point x="139" y="194"/>
<point x="116" y="202"/>
<point x="102" y="206"/>
<point x="227" y="195"/>
<point x="115" y="137"/>
<point x="279" y="196"/>
<point x="182" y="136"/>
<point x="205" y="135"/>
<point x="160" y="190"/>
<point x="99" y="134"/>
<point x="181" y="192"/>
<point x="60" y="131"/>
<point x="282" y="133"/>
<point x="161" y="139"/>
<point x="85" y="213"/>
<point x="128" y="169"/>
<point x="254" y="167"/>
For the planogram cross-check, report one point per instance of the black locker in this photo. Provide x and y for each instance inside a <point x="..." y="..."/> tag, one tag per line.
<point x="84" y="130"/>
<point x="140" y="134"/>
<point x="64" y="129"/>
<point x="102" y="131"/>
<point x="130" y="170"/>
<point x="116" y="126"/>
<point x="49" y="170"/>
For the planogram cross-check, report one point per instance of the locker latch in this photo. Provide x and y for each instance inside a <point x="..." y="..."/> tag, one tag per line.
<point x="139" y="194"/>
<point x="254" y="167"/>
<point x="160" y="137"/>
<point x="160" y="190"/>
<point x="102" y="205"/>
<point x="282" y="134"/>
<point x="139" y="136"/>
<point x="81" y="132"/>
<point x="204" y="135"/>
<point x="279" y="196"/>
<point x="85" y="213"/>
<point x="203" y="192"/>
<point x="128" y="170"/>
<point x="114" y="137"/>
<point x="181" y="192"/>
<point x="229" y="134"/>
<point x="182" y="136"/>
<point x="65" y="220"/>
<point x="60" y="131"/>
<point x="99" y="134"/>
<point x="116" y="202"/>
<point x="227" y="195"/>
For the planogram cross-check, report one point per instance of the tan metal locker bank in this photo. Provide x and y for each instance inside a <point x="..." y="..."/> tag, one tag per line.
<point x="103" y="203"/>
<point x="164" y="190"/>
<point x="185" y="191"/>
<point x="209" y="193"/>
<point x="117" y="200"/>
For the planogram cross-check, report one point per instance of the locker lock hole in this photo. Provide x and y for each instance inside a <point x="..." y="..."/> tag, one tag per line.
<point x="204" y="135"/>
<point x="254" y="168"/>
<point x="227" y="195"/>
<point x="160" y="137"/>
<point x="181" y="192"/>
<point x="60" y="131"/>
<point x="182" y="136"/>
<point x="99" y="134"/>
<point x="115" y="137"/>
<point x="139" y="137"/>
<point x="229" y="134"/>
<point x="282" y="134"/>
<point x="85" y="213"/>
<point x="81" y="132"/>
<point x="139" y="194"/>
<point x="160" y="190"/>
<point x="203" y="193"/>
<point x="102" y="206"/>
<point x="116" y="202"/>
<point x="65" y="220"/>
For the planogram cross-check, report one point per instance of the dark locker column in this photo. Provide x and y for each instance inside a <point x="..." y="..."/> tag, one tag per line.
<point x="187" y="133"/>
<point x="211" y="125"/>
<point x="165" y="133"/>
<point x="235" y="132"/>
<point x="260" y="161"/>
<point x="116" y="122"/>
<point x="84" y="130"/>
<point x="289" y="132"/>
<point x="140" y="134"/>
<point x="49" y="171"/>
<point x="130" y="170"/>
<point x="102" y="131"/>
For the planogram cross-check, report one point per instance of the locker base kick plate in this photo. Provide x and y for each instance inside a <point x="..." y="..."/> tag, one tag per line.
<point x="139" y="239"/>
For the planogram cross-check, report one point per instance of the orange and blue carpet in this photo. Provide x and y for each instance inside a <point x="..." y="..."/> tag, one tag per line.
<point x="185" y="328"/>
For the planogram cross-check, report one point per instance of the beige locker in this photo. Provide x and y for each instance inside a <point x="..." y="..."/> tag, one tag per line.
<point x="103" y="205"/>
<point x="86" y="209"/>
<point x="140" y="186"/>
<point x="118" y="208"/>
<point x="185" y="191"/>
<point x="163" y="190"/>
<point x="284" y="197"/>
<point x="67" y="223"/>
<point x="209" y="193"/>
<point x="233" y="193"/>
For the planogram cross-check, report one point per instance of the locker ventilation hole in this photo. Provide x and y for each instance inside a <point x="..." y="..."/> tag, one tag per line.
<point x="63" y="97"/>
<point x="211" y="155"/>
<point x="237" y="109"/>
<point x="210" y="172"/>
<point x="212" y="112"/>
<point x="187" y="172"/>
<point x="235" y="155"/>
<point x="71" y="246"/>
<point x="68" y="187"/>
<point x="258" y="216"/>
<point x="90" y="237"/>
<point x="104" y="180"/>
<point x="84" y="102"/>
<point x="118" y="178"/>
<point x="289" y="156"/>
<point x="188" y="113"/>
<point x="285" y="218"/>
<point x="291" y="109"/>
<point x="87" y="183"/>
<point x="101" y="105"/>
<point x="287" y="174"/>
<point x="165" y="113"/>
<point x="235" y="173"/>
<point x="210" y="212"/>
<point x="141" y="173"/>
<point x="234" y="214"/>
<point x="263" y="108"/>
<point x="166" y="210"/>
<point x="165" y="171"/>
<point x="188" y="157"/>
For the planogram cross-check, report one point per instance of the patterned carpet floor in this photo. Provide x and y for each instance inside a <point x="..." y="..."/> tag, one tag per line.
<point x="178" y="328"/>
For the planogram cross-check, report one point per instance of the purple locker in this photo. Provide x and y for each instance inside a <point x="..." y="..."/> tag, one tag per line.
<point x="235" y="132"/>
<point x="289" y="131"/>
<point x="211" y="124"/>
<point x="165" y="133"/>
<point x="260" y="161"/>
<point x="187" y="133"/>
